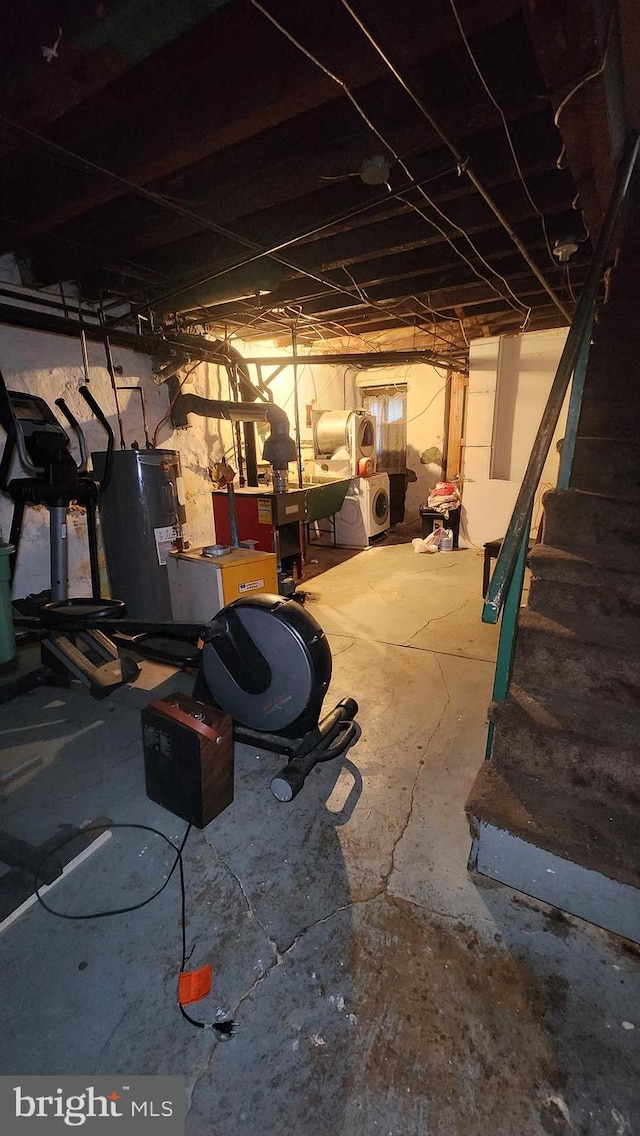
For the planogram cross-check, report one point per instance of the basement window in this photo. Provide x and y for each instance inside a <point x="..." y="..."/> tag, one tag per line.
<point x="389" y="405"/>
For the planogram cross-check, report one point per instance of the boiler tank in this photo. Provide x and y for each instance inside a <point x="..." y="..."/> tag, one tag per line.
<point x="142" y="514"/>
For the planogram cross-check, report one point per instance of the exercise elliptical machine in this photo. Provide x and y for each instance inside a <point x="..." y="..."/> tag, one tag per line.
<point x="267" y="662"/>
<point x="264" y="662"/>
<point x="55" y="480"/>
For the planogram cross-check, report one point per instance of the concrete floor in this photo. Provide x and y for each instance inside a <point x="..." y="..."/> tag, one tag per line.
<point x="377" y="988"/>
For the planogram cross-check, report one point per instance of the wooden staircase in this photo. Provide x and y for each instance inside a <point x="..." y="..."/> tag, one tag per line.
<point x="555" y="811"/>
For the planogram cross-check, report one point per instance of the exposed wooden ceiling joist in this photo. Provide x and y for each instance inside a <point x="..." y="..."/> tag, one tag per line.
<point x="213" y="109"/>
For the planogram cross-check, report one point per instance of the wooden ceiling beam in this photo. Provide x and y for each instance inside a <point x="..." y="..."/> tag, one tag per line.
<point x="292" y="163"/>
<point x="64" y="252"/>
<point x="98" y="46"/>
<point x="438" y="260"/>
<point x="201" y="84"/>
<point x="411" y="230"/>
<point x="569" y="38"/>
<point x="526" y="288"/>
<point x="397" y="235"/>
<point x="443" y="302"/>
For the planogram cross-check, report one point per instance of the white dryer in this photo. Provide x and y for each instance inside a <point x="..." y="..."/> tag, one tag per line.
<point x="343" y="438"/>
<point x="365" y="512"/>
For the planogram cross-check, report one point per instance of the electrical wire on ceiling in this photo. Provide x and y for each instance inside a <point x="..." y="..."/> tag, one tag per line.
<point x="593" y="74"/>
<point x="465" y="168"/>
<point x="338" y="177"/>
<point x="408" y="320"/>
<point x="261" y="317"/>
<point x="579" y="85"/>
<point x="385" y="142"/>
<point x="361" y="292"/>
<point x="523" y="306"/>
<point x="335" y="221"/>
<point x="507" y="132"/>
<point x="432" y="311"/>
<point x="326" y="284"/>
<point x="92" y="167"/>
<point x="569" y="282"/>
<point x="560" y="161"/>
<point x="314" y="325"/>
<point x="316" y="329"/>
<point x="435" y="312"/>
<point x="264" y="315"/>
<point x="575" y="204"/>
<point x="421" y="325"/>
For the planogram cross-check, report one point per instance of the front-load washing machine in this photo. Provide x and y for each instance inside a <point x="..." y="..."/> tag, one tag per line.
<point x="365" y="512"/>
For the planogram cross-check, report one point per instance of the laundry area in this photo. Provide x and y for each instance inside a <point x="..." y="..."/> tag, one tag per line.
<point x="320" y="568"/>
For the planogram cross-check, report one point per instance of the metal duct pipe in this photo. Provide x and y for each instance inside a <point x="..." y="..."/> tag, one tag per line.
<point x="279" y="448"/>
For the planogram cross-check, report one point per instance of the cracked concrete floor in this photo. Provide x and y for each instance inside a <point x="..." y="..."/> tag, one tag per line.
<point x="377" y="988"/>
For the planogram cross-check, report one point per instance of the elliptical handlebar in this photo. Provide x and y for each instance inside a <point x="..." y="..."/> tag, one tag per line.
<point x="91" y="402"/>
<point x="78" y="431"/>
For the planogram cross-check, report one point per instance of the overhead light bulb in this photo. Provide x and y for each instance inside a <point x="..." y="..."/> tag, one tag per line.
<point x="375" y="170"/>
<point x="564" y="248"/>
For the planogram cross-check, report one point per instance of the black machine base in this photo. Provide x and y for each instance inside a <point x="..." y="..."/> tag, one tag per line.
<point x="266" y="661"/>
<point x="333" y="736"/>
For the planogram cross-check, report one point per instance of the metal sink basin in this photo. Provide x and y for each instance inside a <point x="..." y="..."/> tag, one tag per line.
<point x="325" y="496"/>
<point x="318" y="477"/>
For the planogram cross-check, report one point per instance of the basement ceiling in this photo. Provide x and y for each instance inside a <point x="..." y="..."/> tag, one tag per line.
<point x="237" y="165"/>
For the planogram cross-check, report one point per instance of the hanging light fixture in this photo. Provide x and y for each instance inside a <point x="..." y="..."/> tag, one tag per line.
<point x="375" y="170"/>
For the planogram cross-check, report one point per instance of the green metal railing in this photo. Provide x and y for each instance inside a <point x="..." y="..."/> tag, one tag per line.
<point x="505" y="589"/>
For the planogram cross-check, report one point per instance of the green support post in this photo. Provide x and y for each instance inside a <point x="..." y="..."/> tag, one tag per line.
<point x="573" y="412"/>
<point x="508" y="628"/>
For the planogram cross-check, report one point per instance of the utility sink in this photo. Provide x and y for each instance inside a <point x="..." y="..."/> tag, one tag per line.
<point x="319" y="477"/>
<point x="324" y="496"/>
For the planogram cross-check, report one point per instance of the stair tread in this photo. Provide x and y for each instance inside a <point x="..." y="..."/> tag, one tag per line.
<point x="551" y="655"/>
<point x="583" y="495"/>
<point x="548" y="711"/>
<point x="599" y="467"/>
<point x="583" y="562"/>
<point x="604" y="556"/>
<point x="599" y="613"/>
<point x="560" y="820"/>
<point x="535" y="622"/>
<point x="580" y="519"/>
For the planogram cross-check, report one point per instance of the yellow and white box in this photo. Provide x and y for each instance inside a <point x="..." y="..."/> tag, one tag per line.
<point x="201" y="585"/>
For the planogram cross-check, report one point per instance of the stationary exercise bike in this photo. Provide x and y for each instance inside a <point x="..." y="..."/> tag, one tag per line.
<point x="54" y="480"/>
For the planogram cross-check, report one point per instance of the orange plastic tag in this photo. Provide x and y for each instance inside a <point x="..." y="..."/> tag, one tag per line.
<point x="194" y="985"/>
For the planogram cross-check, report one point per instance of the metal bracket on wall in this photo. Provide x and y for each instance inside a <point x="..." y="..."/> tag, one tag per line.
<point x="264" y="384"/>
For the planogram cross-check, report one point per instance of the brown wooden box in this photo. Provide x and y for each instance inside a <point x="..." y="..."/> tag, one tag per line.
<point x="188" y="757"/>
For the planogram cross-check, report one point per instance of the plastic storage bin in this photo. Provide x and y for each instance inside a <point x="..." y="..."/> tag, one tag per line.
<point x="431" y="517"/>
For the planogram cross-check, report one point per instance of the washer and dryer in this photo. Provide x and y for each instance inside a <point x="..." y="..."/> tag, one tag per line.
<point x="365" y="512"/>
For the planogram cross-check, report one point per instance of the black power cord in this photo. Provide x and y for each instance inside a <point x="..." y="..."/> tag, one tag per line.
<point x="224" y="1028"/>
